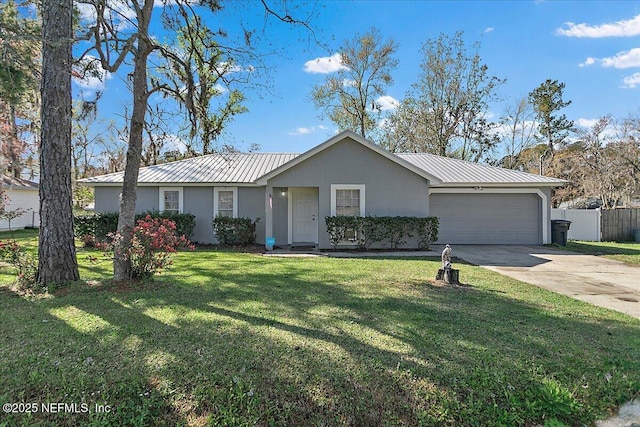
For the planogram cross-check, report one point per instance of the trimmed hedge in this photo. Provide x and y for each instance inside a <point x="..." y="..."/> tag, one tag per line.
<point x="392" y="230"/>
<point x="234" y="231"/>
<point x="99" y="225"/>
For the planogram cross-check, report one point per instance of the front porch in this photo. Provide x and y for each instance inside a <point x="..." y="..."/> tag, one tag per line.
<point x="292" y="217"/>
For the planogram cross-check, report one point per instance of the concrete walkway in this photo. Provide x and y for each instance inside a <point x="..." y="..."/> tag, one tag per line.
<point x="288" y="253"/>
<point x="596" y="280"/>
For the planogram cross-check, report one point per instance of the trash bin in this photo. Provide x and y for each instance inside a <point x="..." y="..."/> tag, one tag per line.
<point x="559" y="231"/>
<point x="636" y="235"/>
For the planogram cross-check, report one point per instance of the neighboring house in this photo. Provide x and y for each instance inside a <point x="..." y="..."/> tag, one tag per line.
<point x="21" y="194"/>
<point x="293" y="193"/>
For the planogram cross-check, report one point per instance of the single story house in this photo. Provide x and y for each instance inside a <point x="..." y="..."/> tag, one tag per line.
<point x="21" y="194"/>
<point x="293" y="193"/>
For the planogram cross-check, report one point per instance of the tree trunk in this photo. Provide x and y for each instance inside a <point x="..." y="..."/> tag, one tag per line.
<point x="126" y="220"/>
<point x="57" y="261"/>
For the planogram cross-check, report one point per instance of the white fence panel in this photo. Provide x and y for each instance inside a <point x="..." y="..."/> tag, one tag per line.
<point x="22" y="199"/>
<point x="585" y="223"/>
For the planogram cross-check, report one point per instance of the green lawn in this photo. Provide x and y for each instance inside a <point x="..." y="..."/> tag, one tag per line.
<point x="240" y="339"/>
<point x="626" y="252"/>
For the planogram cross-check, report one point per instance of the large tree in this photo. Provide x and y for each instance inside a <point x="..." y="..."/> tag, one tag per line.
<point x="19" y="85"/>
<point x="84" y="140"/>
<point x="121" y="34"/>
<point x="517" y="133"/>
<point x="349" y="97"/>
<point x="204" y="78"/>
<point x="56" y="249"/>
<point x="446" y="112"/>
<point x="553" y="126"/>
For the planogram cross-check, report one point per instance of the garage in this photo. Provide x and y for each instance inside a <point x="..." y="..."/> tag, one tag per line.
<point x="486" y="218"/>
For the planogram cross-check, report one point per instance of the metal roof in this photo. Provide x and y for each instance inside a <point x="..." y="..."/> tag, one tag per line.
<point x="11" y="182"/>
<point x="234" y="168"/>
<point x="460" y="172"/>
<point x="254" y="168"/>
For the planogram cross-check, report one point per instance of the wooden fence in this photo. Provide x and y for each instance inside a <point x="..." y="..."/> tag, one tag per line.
<point x="618" y="224"/>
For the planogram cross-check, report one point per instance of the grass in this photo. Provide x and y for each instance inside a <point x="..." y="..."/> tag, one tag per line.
<point x="239" y="339"/>
<point x="628" y="253"/>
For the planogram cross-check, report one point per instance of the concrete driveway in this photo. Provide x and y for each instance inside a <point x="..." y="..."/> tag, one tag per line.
<point x="596" y="280"/>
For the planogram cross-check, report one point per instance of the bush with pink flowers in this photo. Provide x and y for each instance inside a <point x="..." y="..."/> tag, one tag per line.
<point x="153" y="241"/>
<point x="23" y="261"/>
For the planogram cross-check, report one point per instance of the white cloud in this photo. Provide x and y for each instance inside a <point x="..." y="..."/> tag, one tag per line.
<point x="307" y="130"/>
<point x="87" y="12"/>
<point x="324" y="65"/>
<point x="386" y="102"/>
<point x="301" y="131"/>
<point x="229" y="68"/>
<point x="349" y="82"/>
<point x="632" y="81"/>
<point x="90" y="75"/>
<point x="589" y="61"/>
<point x="586" y="123"/>
<point x="625" y="59"/>
<point x="172" y="143"/>
<point x="384" y="123"/>
<point x="118" y="12"/>
<point x="625" y="28"/>
<point x="220" y="89"/>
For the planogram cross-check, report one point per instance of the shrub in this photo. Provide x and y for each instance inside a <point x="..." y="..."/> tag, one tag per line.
<point x="394" y="230"/>
<point x="25" y="263"/>
<point x="153" y="240"/>
<point x="9" y="250"/>
<point x="234" y="231"/>
<point x="337" y="227"/>
<point x="185" y="222"/>
<point x="100" y="225"/>
<point x="426" y="230"/>
<point x="88" y="240"/>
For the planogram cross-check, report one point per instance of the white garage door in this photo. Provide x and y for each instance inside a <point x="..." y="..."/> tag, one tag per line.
<point x="487" y="218"/>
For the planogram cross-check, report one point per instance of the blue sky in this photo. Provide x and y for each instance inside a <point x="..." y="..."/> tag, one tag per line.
<point x="591" y="46"/>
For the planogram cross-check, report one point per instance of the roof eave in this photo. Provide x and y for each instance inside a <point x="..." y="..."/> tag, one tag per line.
<point x="173" y="184"/>
<point x="499" y="184"/>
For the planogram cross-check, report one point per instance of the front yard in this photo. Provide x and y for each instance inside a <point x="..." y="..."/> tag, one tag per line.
<point x="628" y="253"/>
<point x="228" y="338"/>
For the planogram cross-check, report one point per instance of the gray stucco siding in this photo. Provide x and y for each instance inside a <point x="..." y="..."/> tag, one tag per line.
<point x="280" y="215"/>
<point x="390" y="189"/>
<point x="197" y="200"/>
<point x="251" y="204"/>
<point x="107" y="199"/>
<point x="148" y="199"/>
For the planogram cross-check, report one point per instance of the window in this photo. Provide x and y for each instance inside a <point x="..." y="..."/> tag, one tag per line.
<point x="170" y="199"/>
<point x="347" y="200"/>
<point x="225" y="201"/>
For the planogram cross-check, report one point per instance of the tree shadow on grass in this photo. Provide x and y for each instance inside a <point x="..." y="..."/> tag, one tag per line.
<point x="337" y="342"/>
<point x="447" y="331"/>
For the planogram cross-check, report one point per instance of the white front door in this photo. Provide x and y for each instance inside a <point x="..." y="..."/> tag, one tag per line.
<point x="304" y="215"/>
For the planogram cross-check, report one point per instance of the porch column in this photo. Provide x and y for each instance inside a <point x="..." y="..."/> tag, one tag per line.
<point x="268" y="210"/>
<point x="546" y="221"/>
